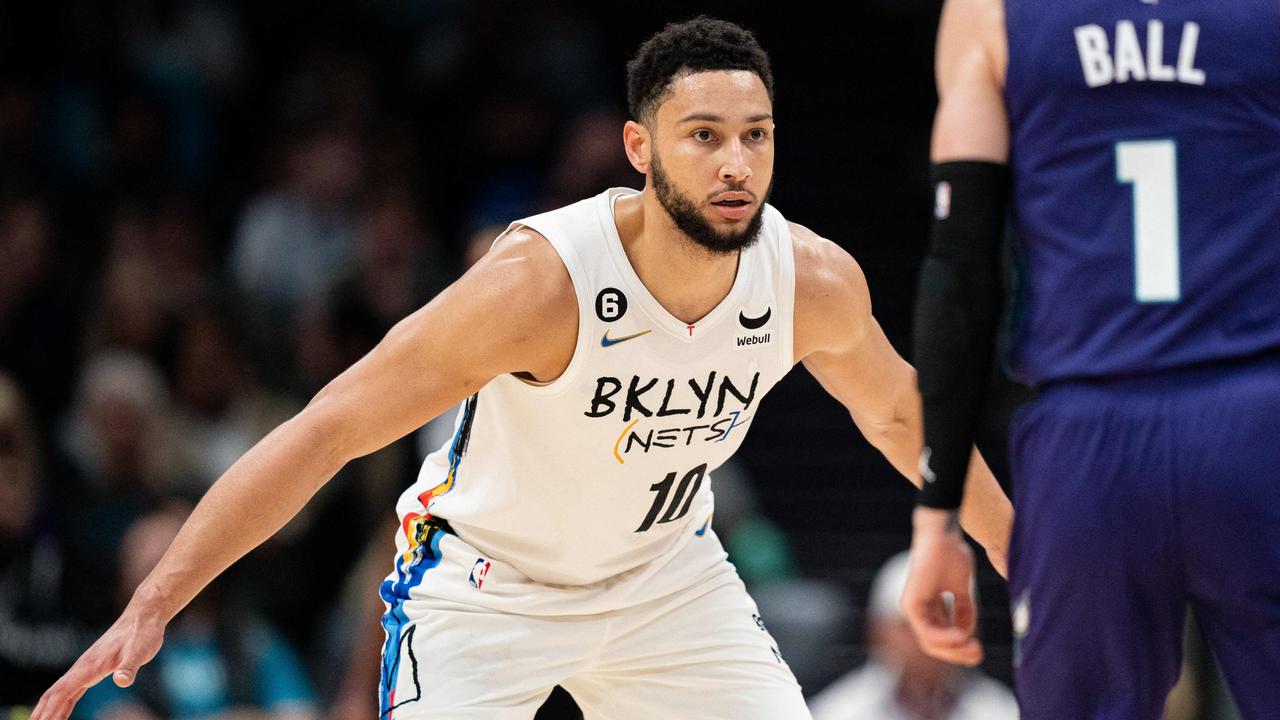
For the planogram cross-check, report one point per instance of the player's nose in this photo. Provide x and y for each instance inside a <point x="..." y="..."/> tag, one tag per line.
<point x="734" y="168"/>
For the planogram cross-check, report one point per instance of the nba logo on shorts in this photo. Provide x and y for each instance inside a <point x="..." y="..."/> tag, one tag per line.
<point x="478" y="573"/>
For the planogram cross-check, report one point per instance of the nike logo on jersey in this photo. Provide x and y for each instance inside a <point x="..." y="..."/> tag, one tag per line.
<point x="755" y="323"/>
<point x="607" y="341"/>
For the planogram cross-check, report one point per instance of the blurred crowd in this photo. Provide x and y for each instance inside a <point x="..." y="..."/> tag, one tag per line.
<point x="208" y="210"/>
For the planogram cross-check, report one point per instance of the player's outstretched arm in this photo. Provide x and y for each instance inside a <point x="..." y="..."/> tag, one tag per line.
<point x="956" y="315"/>
<point x="515" y="311"/>
<point x="842" y="345"/>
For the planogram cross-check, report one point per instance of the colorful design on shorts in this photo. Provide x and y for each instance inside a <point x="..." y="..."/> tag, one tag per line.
<point x="423" y="533"/>
<point x="424" y="556"/>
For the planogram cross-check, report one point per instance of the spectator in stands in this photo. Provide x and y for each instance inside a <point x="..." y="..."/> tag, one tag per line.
<point x="218" y="660"/>
<point x="118" y="446"/>
<point x="899" y="682"/>
<point x="310" y="220"/>
<point x="38" y="637"/>
<point x="134" y="311"/>
<point x="219" y="411"/>
<point x="37" y="318"/>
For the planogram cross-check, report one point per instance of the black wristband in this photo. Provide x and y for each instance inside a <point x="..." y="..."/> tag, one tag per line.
<point x="957" y="313"/>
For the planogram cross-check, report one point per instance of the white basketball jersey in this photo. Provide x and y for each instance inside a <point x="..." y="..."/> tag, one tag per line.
<point x="593" y="481"/>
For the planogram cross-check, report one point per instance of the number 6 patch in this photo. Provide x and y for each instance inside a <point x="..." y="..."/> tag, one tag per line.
<point x="611" y="304"/>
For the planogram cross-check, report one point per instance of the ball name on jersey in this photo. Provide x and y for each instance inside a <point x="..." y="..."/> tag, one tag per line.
<point x="1124" y="60"/>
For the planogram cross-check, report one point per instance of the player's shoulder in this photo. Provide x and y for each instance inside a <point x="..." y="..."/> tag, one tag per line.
<point x="529" y="271"/>
<point x="825" y="271"/>
<point x="520" y="297"/>
<point x="832" y="305"/>
<point x="529" y="258"/>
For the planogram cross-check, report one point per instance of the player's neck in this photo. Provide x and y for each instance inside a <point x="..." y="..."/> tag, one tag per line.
<point x="685" y="278"/>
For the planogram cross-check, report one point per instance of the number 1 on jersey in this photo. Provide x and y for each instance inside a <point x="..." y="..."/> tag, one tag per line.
<point x="1152" y="167"/>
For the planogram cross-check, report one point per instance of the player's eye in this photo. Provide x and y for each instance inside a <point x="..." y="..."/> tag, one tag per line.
<point x="703" y="135"/>
<point x="758" y="134"/>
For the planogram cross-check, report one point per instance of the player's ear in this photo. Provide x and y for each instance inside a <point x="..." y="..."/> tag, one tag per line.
<point x="639" y="145"/>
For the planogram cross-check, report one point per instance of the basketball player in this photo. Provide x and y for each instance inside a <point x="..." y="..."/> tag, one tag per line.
<point x="608" y="355"/>
<point x="1139" y="142"/>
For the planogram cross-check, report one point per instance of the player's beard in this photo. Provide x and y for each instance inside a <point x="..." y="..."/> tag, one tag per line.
<point x="684" y="212"/>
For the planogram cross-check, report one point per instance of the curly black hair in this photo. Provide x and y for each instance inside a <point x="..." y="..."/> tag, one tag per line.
<point x="696" y="45"/>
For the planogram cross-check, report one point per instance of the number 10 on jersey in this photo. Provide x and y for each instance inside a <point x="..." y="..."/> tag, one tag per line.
<point x="1152" y="167"/>
<point x="680" y="501"/>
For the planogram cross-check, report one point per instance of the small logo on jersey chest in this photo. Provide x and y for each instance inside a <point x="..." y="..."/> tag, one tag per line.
<point x="607" y="341"/>
<point x="755" y="323"/>
<point x="611" y="304"/>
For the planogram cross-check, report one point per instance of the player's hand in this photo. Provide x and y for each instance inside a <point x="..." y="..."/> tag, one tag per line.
<point x="129" y="644"/>
<point x="938" y="599"/>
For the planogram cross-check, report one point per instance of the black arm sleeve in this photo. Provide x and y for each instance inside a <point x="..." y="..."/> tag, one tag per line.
<point x="957" y="313"/>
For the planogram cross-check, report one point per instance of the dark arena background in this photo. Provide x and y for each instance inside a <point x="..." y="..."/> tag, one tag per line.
<point x="207" y="210"/>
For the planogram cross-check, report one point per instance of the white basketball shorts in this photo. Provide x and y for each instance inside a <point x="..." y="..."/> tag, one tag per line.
<point x="702" y="652"/>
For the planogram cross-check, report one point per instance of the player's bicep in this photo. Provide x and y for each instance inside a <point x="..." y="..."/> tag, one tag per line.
<point x="970" y="123"/>
<point x="843" y="345"/>
<point x="449" y="349"/>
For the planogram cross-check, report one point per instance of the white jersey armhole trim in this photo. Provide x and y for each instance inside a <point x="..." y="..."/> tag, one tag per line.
<point x="786" y="292"/>
<point x="580" y="349"/>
